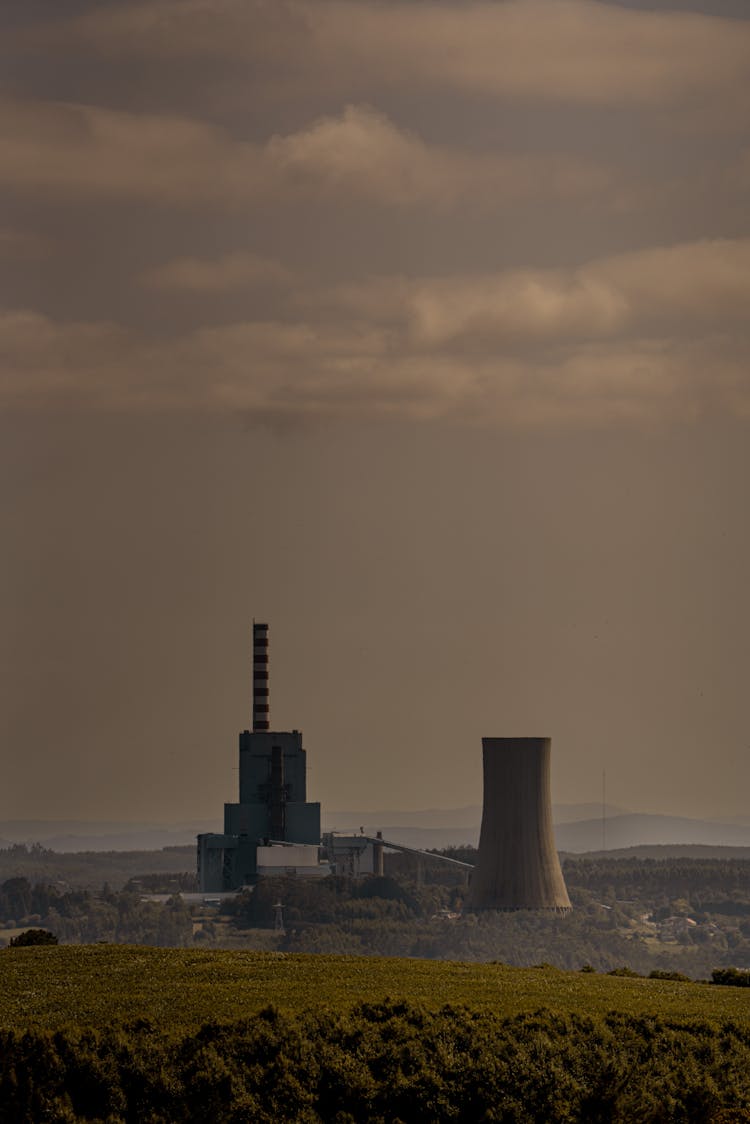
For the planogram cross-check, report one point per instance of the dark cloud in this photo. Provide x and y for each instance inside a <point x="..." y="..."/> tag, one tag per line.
<point x="584" y="50"/>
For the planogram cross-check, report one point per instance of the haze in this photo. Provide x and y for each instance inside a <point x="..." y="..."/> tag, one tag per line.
<point x="418" y="330"/>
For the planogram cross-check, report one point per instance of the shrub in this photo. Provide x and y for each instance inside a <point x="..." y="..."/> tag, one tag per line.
<point x="33" y="937"/>
<point x="663" y="974"/>
<point x="730" y="977"/>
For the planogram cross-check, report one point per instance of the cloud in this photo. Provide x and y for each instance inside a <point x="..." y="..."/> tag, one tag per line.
<point x="659" y="335"/>
<point x="217" y="275"/>
<point x="304" y="371"/>
<point x="92" y="151"/>
<point x="360" y="154"/>
<point x="684" y="289"/>
<point x="45" y="362"/>
<point x="580" y="51"/>
<point x="363" y="152"/>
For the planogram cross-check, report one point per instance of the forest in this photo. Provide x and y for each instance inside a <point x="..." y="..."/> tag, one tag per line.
<point x="644" y="915"/>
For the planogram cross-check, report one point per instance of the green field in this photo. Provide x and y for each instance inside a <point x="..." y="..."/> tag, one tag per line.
<point x="180" y="989"/>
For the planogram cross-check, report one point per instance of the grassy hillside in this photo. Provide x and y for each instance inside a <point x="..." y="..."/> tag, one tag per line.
<point x="183" y="988"/>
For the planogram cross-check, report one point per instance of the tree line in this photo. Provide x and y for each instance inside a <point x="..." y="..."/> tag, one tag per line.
<point x="84" y="917"/>
<point x="385" y="1061"/>
<point x="647" y="915"/>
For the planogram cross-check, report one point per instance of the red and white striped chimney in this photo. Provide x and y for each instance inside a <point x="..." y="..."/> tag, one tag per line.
<point x="260" y="677"/>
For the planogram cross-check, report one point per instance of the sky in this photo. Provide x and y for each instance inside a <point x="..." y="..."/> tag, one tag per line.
<point x="416" y="328"/>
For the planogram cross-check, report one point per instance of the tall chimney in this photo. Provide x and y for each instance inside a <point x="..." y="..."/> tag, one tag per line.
<point x="517" y="865"/>
<point x="260" y="677"/>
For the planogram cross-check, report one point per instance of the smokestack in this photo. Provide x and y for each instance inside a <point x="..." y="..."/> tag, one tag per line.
<point x="517" y="866"/>
<point x="260" y="677"/>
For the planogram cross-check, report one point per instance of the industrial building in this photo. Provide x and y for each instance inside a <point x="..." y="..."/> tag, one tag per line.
<point x="273" y="828"/>
<point x="517" y="866"/>
<point x="353" y="855"/>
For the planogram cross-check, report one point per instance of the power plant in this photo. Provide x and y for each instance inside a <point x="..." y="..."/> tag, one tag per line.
<point x="517" y="866"/>
<point x="274" y="830"/>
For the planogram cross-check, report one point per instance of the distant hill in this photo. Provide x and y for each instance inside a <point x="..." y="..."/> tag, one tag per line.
<point x="67" y="836"/>
<point x="441" y="818"/>
<point x="623" y="831"/>
<point x="578" y="829"/>
<point x="425" y="818"/>
<point x="637" y="830"/>
<point x="668" y="851"/>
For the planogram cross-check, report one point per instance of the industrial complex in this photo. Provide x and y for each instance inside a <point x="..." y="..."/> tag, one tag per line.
<point x="274" y="830"/>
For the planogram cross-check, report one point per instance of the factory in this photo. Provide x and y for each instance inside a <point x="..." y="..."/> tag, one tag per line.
<point x="273" y="830"/>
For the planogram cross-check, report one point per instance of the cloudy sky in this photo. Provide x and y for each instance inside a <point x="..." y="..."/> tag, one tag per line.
<point x="418" y="328"/>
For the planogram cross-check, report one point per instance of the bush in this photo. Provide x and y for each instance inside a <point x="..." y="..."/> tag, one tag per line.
<point x="663" y="974"/>
<point x="730" y="977"/>
<point x="33" y="937"/>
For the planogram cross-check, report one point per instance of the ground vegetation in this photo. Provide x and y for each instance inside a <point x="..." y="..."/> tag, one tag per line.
<point x="187" y="1035"/>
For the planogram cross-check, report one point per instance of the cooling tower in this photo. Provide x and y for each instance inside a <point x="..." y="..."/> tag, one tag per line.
<point x="517" y="866"/>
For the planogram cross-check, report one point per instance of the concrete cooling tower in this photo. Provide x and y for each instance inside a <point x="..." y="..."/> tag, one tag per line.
<point x="517" y="865"/>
